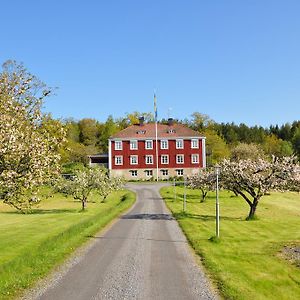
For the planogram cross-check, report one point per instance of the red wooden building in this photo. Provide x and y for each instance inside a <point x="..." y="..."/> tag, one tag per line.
<point x="132" y="151"/>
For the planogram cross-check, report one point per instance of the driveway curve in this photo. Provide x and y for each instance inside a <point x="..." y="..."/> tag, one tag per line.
<point x="144" y="255"/>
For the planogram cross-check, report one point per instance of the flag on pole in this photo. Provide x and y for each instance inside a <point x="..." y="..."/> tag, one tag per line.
<point x="155" y="109"/>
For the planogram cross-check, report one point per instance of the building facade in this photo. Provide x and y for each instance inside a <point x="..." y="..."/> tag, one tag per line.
<point x="133" y="153"/>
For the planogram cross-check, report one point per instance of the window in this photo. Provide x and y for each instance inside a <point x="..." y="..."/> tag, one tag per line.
<point x="165" y="172"/>
<point x="133" y="145"/>
<point x="149" y="159"/>
<point x="179" y="144"/>
<point x="179" y="172"/>
<point x="118" y="145"/>
<point x="149" y="144"/>
<point x="134" y="173"/>
<point x="149" y="173"/>
<point x="119" y="160"/>
<point x="195" y="158"/>
<point x="180" y="159"/>
<point x="195" y="143"/>
<point x="171" y="131"/>
<point x="164" y="144"/>
<point x="133" y="159"/>
<point x="164" y="159"/>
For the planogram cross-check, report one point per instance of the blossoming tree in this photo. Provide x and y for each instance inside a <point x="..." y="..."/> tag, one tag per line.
<point x="204" y="181"/>
<point x="87" y="180"/>
<point x="28" y="147"/>
<point x="253" y="179"/>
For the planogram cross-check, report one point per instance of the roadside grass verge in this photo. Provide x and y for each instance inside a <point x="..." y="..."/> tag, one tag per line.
<point x="33" y="244"/>
<point x="245" y="263"/>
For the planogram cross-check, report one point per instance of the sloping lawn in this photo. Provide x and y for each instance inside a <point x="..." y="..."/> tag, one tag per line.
<point x="246" y="263"/>
<point x="33" y="244"/>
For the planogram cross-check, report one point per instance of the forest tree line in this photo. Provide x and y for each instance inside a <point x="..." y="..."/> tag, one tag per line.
<point x="89" y="136"/>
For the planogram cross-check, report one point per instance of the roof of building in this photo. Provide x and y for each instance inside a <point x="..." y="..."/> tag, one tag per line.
<point x="163" y="131"/>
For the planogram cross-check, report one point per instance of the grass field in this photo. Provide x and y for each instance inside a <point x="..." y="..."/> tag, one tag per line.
<point x="246" y="262"/>
<point x="33" y="244"/>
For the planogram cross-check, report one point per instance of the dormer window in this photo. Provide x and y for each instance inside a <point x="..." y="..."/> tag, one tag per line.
<point x="171" y="131"/>
<point x="141" y="132"/>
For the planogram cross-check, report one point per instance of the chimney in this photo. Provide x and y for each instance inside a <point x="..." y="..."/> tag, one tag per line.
<point x="141" y="120"/>
<point x="170" y="122"/>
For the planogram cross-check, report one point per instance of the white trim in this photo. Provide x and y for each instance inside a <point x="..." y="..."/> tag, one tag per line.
<point x="192" y="143"/>
<point x="119" y="149"/>
<point x="148" y="171"/>
<point x="164" y="170"/>
<point x="130" y="145"/>
<point x="135" y="171"/>
<point x="109" y="155"/>
<point x="137" y="159"/>
<point x="179" y="140"/>
<point x="119" y="156"/>
<point x="146" y="144"/>
<point x="161" y="159"/>
<point x="195" y="155"/>
<point x="203" y="154"/>
<point x="161" y="143"/>
<point x="181" y="171"/>
<point x="179" y="155"/>
<point x="151" y="160"/>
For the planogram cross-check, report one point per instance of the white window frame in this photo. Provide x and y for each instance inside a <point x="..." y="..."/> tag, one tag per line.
<point x="134" y="173"/>
<point x="116" y="160"/>
<point x="197" y="143"/>
<point x="149" y="173"/>
<point x="162" y="159"/>
<point x="131" y="159"/>
<point x="165" y="171"/>
<point x="164" y="144"/>
<point x="179" y="171"/>
<point x="177" y="144"/>
<point x="133" y="142"/>
<point x="151" y="159"/>
<point x="179" y="162"/>
<point x="192" y="159"/>
<point x="120" y="147"/>
<point x="147" y="141"/>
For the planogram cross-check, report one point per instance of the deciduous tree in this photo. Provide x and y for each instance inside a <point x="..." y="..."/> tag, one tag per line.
<point x="29" y="141"/>
<point x="253" y="179"/>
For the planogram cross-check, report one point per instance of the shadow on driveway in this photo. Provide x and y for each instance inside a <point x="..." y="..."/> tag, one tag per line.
<point x="166" y="217"/>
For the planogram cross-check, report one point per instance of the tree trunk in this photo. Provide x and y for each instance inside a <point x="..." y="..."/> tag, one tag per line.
<point x="83" y="204"/>
<point x="252" y="211"/>
<point x="204" y="193"/>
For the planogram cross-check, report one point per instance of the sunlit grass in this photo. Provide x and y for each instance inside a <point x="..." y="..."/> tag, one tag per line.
<point x="32" y="244"/>
<point x="245" y="263"/>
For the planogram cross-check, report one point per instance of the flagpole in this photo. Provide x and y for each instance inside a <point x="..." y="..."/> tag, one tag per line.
<point x="156" y="139"/>
<point x="156" y="143"/>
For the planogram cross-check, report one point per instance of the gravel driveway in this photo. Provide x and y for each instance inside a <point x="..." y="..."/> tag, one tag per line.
<point x="144" y="255"/>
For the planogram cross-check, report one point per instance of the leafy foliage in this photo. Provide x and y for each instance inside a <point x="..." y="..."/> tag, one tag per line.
<point x="87" y="180"/>
<point x="254" y="179"/>
<point x="29" y="140"/>
<point x="204" y="181"/>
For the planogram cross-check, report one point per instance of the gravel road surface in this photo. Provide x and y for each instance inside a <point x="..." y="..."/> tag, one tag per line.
<point x="144" y="255"/>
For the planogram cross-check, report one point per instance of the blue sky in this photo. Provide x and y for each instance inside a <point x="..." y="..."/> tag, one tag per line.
<point x="233" y="60"/>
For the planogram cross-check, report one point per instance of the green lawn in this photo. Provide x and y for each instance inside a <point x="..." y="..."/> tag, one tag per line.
<point x="33" y="244"/>
<point x="246" y="262"/>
